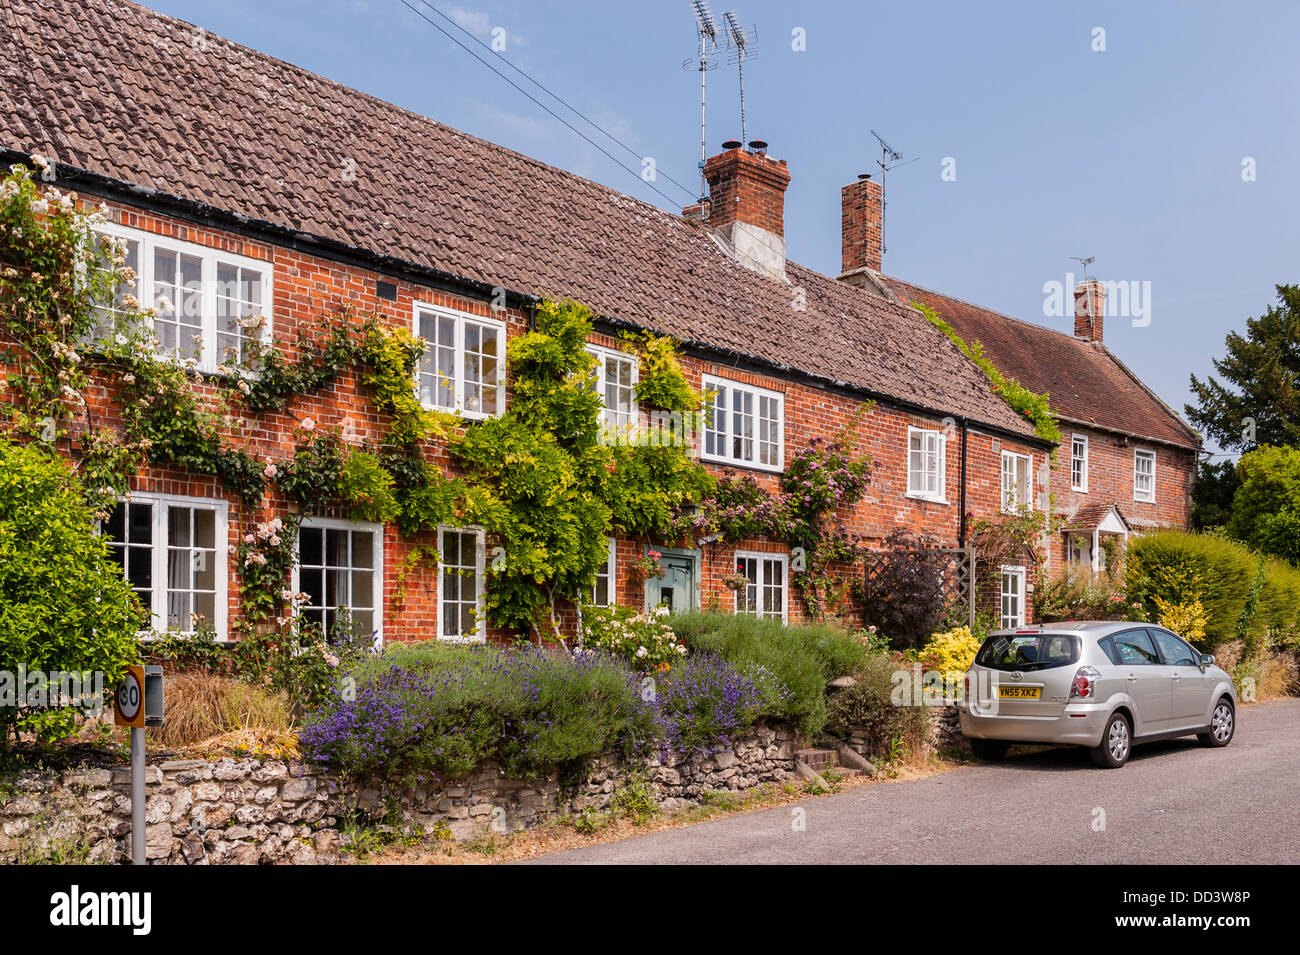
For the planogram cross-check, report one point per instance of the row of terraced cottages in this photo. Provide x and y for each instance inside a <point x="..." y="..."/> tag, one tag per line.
<point x="244" y="186"/>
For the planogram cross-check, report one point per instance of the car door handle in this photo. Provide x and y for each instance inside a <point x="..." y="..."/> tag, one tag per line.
<point x="1132" y="677"/>
<point x="1177" y="676"/>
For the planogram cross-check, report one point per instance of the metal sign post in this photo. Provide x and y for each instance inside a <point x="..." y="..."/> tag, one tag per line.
<point x="137" y="704"/>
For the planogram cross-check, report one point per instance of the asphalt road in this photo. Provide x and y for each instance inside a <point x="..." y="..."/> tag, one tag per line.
<point x="1173" y="803"/>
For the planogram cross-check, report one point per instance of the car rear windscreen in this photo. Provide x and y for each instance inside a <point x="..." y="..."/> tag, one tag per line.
<point x="1029" y="651"/>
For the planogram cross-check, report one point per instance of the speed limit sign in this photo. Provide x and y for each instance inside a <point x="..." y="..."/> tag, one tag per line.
<point x="128" y="704"/>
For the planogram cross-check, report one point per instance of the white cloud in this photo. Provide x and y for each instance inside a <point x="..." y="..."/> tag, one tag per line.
<point x="476" y="22"/>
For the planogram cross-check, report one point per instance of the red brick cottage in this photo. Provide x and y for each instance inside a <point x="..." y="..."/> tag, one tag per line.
<point x="226" y="169"/>
<point x="1127" y="460"/>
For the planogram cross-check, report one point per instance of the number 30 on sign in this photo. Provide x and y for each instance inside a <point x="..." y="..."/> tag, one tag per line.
<point x="128" y="703"/>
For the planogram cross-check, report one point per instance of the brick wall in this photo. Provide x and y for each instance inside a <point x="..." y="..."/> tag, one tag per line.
<point x="307" y="287"/>
<point x="1110" y="480"/>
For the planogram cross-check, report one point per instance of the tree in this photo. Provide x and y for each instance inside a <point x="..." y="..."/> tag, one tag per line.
<point x="1266" y="508"/>
<point x="65" y="605"/>
<point x="1212" y="494"/>
<point x="1258" y="402"/>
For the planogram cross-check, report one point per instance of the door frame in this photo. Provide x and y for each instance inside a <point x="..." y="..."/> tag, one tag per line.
<point x="695" y="555"/>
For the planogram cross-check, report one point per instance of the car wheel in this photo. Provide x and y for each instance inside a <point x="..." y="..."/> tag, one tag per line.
<point x="990" y="749"/>
<point x="1116" y="743"/>
<point x="1223" y="724"/>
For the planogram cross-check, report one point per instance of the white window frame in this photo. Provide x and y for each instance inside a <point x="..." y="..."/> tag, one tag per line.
<point x="1075" y="441"/>
<point x="939" y="448"/>
<point x="609" y="416"/>
<point x="1011" y="493"/>
<point x="1138" y="454"/>
<point x="422" y="309"/>
<point x="209" y="360"/>
<point x="725" y="437"/>
<point x="760" y="598"/>
<point x="1011" y="572"/>
<point x="160" y="547"/>
<point x="611" y="565"/>
<point x="480" y="579"/>
<point x="339" y="524"/>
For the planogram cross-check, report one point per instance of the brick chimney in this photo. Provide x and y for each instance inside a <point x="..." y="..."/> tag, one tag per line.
<point x="861" y="240"/>
<point x="1089" y="309"/>
<point x="747" y="206"/>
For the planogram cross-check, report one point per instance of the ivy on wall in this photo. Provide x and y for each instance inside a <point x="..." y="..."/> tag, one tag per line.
<point x="540" y="479"/>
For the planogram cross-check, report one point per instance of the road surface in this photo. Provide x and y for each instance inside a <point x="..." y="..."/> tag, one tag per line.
<point x="1174" y="802"/>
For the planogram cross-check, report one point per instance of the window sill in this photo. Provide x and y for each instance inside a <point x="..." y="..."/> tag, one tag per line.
<point x="925" y="497"/>
<point x="741" y="465"/>
<point x="465" y="640"/>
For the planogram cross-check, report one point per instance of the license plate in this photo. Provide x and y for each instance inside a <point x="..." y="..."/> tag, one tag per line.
<point x="1019" y="692"/>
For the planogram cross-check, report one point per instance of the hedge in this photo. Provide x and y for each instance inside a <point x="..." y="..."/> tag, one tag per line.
<point x="1245" y="595"/>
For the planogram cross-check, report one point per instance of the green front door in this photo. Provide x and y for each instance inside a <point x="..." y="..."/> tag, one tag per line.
<point x="678" y="587"/>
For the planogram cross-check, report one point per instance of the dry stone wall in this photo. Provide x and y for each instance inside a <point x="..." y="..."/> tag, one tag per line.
<point x="246" y="811"/>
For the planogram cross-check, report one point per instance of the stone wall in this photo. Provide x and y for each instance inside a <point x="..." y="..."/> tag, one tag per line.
<point x="202" y="812"/>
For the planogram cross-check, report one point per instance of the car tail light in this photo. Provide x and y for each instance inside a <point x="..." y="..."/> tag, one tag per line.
<point x="966" y="694"/>
<point x="1084" y="686"/>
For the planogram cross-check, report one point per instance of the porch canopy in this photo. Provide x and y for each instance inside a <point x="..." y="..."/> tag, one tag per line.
<point x="1084" y="530"/>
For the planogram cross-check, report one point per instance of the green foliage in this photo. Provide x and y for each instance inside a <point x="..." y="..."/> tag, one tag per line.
<point x="1243" y="595"/>
<point x="64" y="604"/>
<point x="546" y="489"/>
<point x="1077" y="595"/>
<point x="1266" y="507"/>
<point x="1258" y="401"/>
<point x="661" y="382"/>
<point x="1212" y="494"/>
<point x="1034" y="407"/>
<point x="52" y="278"/>
<point x="387" y="358"/>
<point x="323" y="356"/>
<point x="867" y="706"/>
<point x="421" y="712"/>
<point x="264" y="557"/>
<point x="368" y="488"/>
<point x="790" y="665"/>
<point x="645" y="641"/>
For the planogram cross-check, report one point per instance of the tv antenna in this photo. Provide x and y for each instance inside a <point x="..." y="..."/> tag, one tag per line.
<point x="1085" y="262"/>
<point x="707" y="32"/>
<point x="890" y="158"/>
<point x="743" y="43"/>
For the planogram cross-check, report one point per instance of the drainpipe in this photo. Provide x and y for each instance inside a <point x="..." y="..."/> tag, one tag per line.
<point x="961" y="527"/>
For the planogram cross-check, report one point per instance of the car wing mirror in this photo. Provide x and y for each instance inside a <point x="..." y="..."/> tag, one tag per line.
<point x="1207" y="660"/>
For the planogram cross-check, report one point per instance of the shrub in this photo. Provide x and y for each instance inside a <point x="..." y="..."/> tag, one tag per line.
<point x="64" y="603"/>
<point x="1266" y="507"/>
<point x="201" y="705"/>
<point x="1177" y="566"/>
<point x="1244" y="596"/>
<point x="868" y="706"/>
<point x="645" y="641"/>
<point x="790" y="665"/>
<point x="904" y="588"/>
<point x="704" y="702"/>
<point x="1078" y="595"/>
<point x="952" y="651"/>
<point x="1186" y="618"/>
<point x="431" y="713"/>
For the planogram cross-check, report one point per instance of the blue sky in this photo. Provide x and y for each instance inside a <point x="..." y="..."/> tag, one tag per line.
<point x="1133" y="154"/>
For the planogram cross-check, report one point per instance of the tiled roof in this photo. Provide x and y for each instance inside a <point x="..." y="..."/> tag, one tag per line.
<point x="122" y="91"/>
<point x="1088" y="516"/>
<point x="1086" y="382"/>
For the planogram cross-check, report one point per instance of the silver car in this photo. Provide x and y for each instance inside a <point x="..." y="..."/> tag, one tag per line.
<point x="1104" y="685"/>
